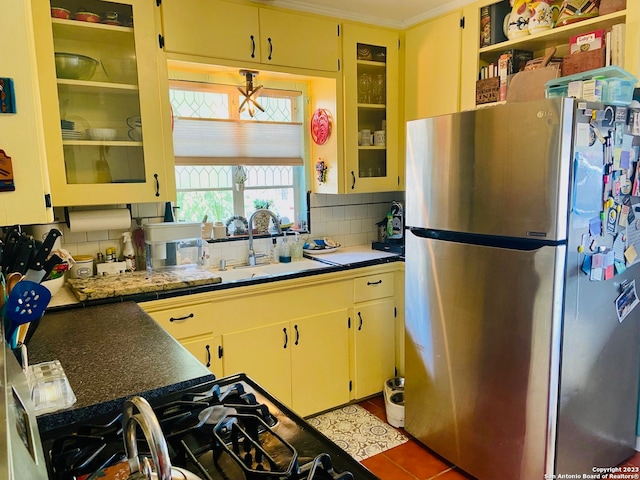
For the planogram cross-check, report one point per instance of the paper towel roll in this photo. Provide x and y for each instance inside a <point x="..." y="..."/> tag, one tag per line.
<point x="94" y="220"/>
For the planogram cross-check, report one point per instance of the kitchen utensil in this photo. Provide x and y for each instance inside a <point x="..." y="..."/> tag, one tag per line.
<point x="75" y="67"/>
<point x="25" y="249"/>
<point x="26" y="302"/>
<point x="36" y="271"/>
<point x="8" y="251"/>
<point x="50" y="263"/>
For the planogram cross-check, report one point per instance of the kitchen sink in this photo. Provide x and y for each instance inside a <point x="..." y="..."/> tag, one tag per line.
<point x="243" y="272"/>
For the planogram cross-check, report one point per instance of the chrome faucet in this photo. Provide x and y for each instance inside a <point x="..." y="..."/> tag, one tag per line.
<point x="252" y="253"/>
<point x="146" y="419"/>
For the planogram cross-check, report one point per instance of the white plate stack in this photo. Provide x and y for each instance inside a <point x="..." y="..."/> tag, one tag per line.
<point x="69" y="132"/>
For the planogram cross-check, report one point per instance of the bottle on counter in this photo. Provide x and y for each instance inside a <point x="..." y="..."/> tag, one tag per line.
<point x="110" y="255"/>
<point x="389" y="225"/>
<point x="285" y="251"/>
<point x="128" y="253"/>
<point x="296" y="248"/>
<point x="274" y="254"/>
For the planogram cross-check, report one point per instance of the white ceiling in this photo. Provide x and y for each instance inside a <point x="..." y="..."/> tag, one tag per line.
<point x="388" y="13"/>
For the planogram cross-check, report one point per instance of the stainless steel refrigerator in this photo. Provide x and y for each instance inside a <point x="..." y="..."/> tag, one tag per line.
<point x="517" y="363"/>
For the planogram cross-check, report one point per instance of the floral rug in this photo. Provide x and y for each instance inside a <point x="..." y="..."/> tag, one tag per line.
<point x="358" y="432"/>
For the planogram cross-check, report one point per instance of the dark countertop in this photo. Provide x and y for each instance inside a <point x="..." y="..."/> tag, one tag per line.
<point x="110" y="353"/>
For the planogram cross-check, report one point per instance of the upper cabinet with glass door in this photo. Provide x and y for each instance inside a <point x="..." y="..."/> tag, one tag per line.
<point x="372" y="150"/>
<point x="108" y="134"/>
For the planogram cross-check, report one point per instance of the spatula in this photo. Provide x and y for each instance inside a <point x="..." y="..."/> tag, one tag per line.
<point x="26" y="302"/>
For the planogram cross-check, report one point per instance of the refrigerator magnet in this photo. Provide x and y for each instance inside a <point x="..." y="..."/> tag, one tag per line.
<point x="627" y="301"/>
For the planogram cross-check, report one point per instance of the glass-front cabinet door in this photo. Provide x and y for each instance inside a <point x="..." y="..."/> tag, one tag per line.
<point x="371" y="107"/>
<point x="109" y="131"/>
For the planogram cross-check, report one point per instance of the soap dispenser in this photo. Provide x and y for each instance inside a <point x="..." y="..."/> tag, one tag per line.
<point x="285" y="251"/>
<point x="296" y="248"/>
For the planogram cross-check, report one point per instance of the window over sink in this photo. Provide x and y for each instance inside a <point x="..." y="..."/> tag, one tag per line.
<point x="229" y="163"/>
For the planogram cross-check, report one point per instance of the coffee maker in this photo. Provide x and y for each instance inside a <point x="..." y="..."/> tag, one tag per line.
<point x="391" y="237"/>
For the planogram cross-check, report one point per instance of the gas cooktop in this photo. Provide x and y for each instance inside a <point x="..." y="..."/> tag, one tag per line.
<point x="228" y="429"/>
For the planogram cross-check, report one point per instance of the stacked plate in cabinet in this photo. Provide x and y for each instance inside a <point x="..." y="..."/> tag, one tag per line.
<point x="68" y="130"/>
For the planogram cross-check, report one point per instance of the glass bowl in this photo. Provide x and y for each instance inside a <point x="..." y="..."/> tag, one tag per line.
<point x="75" y="67"/>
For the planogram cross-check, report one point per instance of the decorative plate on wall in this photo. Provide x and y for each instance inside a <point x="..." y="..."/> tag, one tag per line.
<point x="320" y="126"/>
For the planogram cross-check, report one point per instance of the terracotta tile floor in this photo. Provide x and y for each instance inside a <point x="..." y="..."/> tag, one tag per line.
<point x="413" y="461"/>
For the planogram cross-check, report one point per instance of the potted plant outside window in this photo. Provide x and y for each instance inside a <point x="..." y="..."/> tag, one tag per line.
<point x="261" y="221"/>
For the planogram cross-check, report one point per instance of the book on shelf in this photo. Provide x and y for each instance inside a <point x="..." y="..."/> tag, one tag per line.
<point x="491" y="23"/>
<point x="617" y="44"/>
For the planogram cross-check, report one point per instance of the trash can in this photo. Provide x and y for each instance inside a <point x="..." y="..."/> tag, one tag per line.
<point x="394" y="401"/>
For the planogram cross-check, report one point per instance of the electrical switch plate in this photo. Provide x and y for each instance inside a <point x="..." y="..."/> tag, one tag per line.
<point x="7" y="96"/>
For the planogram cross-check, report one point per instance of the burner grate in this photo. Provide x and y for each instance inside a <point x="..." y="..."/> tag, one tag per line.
<point x="256" y="448"/>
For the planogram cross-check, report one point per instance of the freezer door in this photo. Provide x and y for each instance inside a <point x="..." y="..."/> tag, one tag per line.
<point x="501" y="170"/>
<point x="481" y="361"/>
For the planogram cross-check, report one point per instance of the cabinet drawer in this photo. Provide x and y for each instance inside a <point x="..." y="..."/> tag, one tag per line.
<point x="373" y="286"/>
<point x="186" y="321"/>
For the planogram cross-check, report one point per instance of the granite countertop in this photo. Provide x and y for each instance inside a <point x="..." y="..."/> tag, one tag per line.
<point x="132" y="283"/>
<point x="110" y="353"/>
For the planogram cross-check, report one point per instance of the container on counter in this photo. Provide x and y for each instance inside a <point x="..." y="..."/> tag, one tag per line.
<point x="285" y="250"/>
<point x="82" y="268"/>
<point x="296" y="249"/>
<point x="110" y="255"/>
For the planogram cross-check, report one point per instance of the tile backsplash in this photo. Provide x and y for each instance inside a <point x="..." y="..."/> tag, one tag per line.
<point x="348" y="219"/>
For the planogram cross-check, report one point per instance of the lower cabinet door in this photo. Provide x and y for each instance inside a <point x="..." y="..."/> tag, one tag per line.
<point x="206" y="350"/>
<point x="374" y="346"/>
<point x="264" y="355"/>
<point x="320" y="362"/>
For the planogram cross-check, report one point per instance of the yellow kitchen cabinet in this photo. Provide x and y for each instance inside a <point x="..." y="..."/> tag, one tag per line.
<point x="108" y="135"/>
<point x="373" y="332"/>
<point x="371" y="82"/>
<point x="374" y="346"/>
<point x="263" y="353"/>
<point x="301" y="41"/>
<point x="22" y="132"/>
<point x="206" y="349"/>
<point x="211" y="28"/>
<point x="304" y="362"/>
<point x="192" y="325"/>
<point x="432" y="79"/>
<point x="299" y="338"/>
<point x="237" y="31"/>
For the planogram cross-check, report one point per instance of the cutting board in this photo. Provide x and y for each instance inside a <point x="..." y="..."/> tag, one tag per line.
<point x="530" y="84"/>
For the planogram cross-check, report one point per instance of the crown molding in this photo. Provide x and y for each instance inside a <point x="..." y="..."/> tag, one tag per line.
<point x="320" y="9"/>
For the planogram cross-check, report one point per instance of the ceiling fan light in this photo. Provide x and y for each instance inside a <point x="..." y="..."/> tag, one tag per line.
<point x="250" y="93"/>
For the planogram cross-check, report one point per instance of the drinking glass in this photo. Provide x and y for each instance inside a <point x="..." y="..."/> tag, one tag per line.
<point x="364" y="88"/>
<point x="378" y="89"/>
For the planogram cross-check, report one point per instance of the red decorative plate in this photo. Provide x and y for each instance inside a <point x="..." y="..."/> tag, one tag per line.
<point x="320" y="126"/>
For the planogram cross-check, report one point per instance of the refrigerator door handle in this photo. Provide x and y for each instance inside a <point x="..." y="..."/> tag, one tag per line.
<point x="515" y="243"/>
